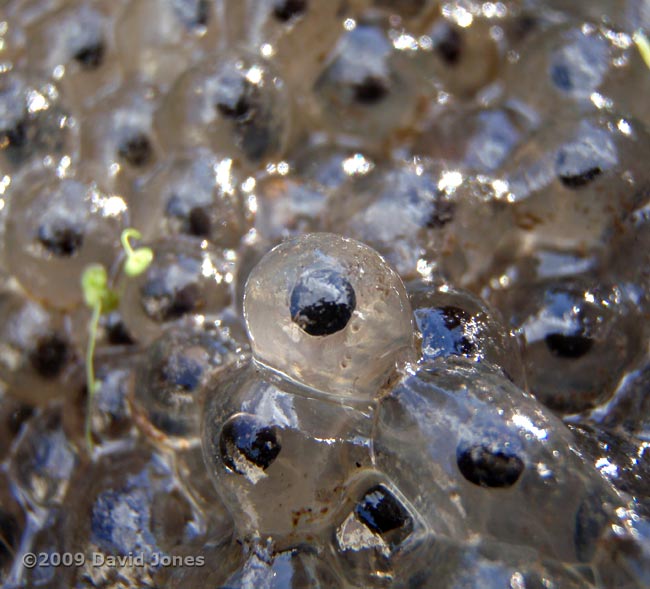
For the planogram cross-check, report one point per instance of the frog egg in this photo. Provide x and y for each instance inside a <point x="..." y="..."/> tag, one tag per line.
<point x="36" y="127"/>
<point x="453" y="322"/>
<point x="287" y="207"/>
<point x="580" y="337"/>
<point x="477" y="457"/>
<point x="464" y="58"/>
<point x="195" y="193"/>
<point x="74" y="45"/>
<point x="580" y="67"/>
<point x="460" y="244"/>
<point x="367" y="89"/>
<point x="377" y="528"/>
<point x="293" y="203"/>
<point x="170" y="381"/>
<point x="188" y="280"/>
<point x="280" y="458"/>
<point x="38" y="359"/>
<point x="574" y="181"/>
<point x="110" y="414"/>
<point x="329" y="313"/>
<point x="401" y="210"/>
<point x="118" y="138"/>
<point x="236" y="104"/>
<point x="44" y="460"/>
<point x="294" y="33"/>
<point x="158" y="39"/>
<point x="55" y="228"/>
<point x="477" y="139"/>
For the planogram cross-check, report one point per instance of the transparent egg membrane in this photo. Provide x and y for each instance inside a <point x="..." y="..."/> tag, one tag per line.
<point x="329" y="314"/>
<point x="394" y="332"/>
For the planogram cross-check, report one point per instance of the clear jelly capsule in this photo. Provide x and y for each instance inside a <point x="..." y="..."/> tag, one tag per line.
<point x="580" y="67"/>
<point x="234" y="103"/>
<point x="367" y="88"/>
<point x="292" y="200"/>
<point x="36" y="128"/>
<point x="294" y="33"/>
<point x="110" y="414"/>
<point x="118" y="139"/>
<point x="171" y="378"/>
<point x="329" y="313"/>
<point x="159" y="39"/>
<point x="476" y="456"/>
<point x="55" y="228"/>
<point x="188" y="279"/>
<point x="460" y="52"/>
<point x="477" y="139"/>
<point x="38" y="359"/>
<point x="580" y="334"/>
<point x="576" y="179"/>
<point x="453" y="322"/>
<point x="75" y="46"/>
<point x="280" y="457"/>
<point x="193" y="193"/>
<point x="44" y="460"/>
<point x="401" y="210"/>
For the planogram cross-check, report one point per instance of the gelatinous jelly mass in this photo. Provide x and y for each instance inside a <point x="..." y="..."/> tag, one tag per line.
<point x="272" y="404"/>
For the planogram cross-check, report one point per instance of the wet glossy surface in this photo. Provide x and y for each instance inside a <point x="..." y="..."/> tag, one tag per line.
<point x="395" y="331"/>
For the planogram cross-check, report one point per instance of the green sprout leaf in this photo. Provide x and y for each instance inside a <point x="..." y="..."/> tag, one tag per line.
<point x="94" y="284"/>
<point x="138" y="261"/>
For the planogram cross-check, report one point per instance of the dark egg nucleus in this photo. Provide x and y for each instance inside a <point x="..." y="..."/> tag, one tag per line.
<point x="487" y="467"/>
<point x="381" y="511"/>
<point x="90" y="57"/>
<point x="245" y="439"/>
<point x="322" y="302"/>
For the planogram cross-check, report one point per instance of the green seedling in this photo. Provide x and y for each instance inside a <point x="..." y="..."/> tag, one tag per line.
<point x="102" y="299"/>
